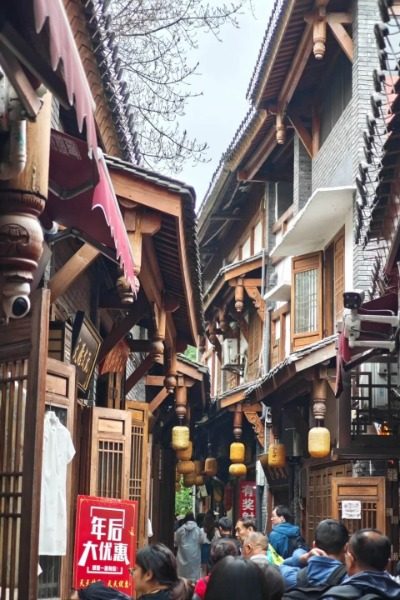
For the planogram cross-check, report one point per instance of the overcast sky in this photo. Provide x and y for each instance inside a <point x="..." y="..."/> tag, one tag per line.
<point x="224" y="74"/>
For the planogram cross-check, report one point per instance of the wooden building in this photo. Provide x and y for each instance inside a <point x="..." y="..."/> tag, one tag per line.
<point x="99" y="285"/>
<point x="292" y="176"/>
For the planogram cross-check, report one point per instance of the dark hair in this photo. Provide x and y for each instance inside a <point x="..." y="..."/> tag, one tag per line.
<point x="273" y="576"/>
<point x="370" y="548"/>
<point x="248" y="523"/>
<point x="283" y="511"/>
<point x="235" y="578"/>
<point x="159" y="559"/>
<point x="225" y="523"/>
<point x="200" y="519"/>
<point x="189" y="517"/>
<point x="99" y="591"/>
<point x="331" y="536"/>
<point x="221" y="548"/>
<point x="209" y="525"/>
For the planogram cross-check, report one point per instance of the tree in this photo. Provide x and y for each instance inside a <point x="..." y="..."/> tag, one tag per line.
<point x="183" y="499"/>
<point x="154" y="38"/>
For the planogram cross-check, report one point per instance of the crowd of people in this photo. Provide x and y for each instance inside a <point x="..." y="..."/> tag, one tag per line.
<point x="213" y="562"/>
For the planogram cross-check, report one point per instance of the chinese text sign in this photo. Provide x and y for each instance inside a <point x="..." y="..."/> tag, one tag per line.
<point x="105" y="542"/>
<point x="247" y="499"/>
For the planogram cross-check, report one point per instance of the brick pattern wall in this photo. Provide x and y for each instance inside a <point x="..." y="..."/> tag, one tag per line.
<point x="301" y="175"/>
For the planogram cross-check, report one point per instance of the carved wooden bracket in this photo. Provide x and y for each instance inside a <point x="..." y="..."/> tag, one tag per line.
<point x="255" y="421"/>
<point x="138" y="222"/>
<point x="254" y="293"/>
<point x="319" y="20"/>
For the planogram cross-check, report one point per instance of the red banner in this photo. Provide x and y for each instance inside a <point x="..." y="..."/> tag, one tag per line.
<point x="105" y="542"/>
<point x="247" y="499"/>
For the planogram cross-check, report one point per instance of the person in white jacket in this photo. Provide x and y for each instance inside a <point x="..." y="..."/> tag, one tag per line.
<point x="188" y="540"/>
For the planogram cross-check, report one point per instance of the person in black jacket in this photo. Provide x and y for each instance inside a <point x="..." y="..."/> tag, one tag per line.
<point x="99" y="591"/>
<point x="155" y="575"/>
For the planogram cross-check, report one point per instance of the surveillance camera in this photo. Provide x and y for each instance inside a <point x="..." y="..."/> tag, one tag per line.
<point x="16" y="307"/>
<point x="353" y="299"/>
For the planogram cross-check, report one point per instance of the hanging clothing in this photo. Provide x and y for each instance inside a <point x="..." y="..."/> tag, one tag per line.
<point x="58" y="451"/>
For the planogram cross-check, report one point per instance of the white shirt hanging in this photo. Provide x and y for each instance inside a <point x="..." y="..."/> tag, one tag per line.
<point x="58" y="451"/>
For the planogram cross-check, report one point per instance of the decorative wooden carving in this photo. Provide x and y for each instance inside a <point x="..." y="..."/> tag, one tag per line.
<point x="237" y="422"/>
<point x="258" y="426"/>
<point x="22" y="199"/>
<point x="124" y="290"/>
<point x="319" y="394"/>
<point x="181" y="402"/>
<point x="239" y="295"/>
<point x="319" y="33"/>
<point x="280" y="128"/>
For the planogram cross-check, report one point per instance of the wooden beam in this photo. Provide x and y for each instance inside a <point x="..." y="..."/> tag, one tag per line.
<point x="249" y="281"/>
<point x="186" y="369"/>
<point x="138" y="309"/>
<point x="140" y="372"/>
<point x="71" y="270"/>
<point x="303" y="134"/>
<point x="158" y="400"/>
<point x="297" y="67"/>
<point x="254" y="293"/>
<point x="139" y="223"/>
<point x="316" y="130"/>
<point x="258" y="157"/>
<point x="243" y="269"/>
<point x="232" y="399"/>
<point x="144" y="193"/>
<point x="342" y="37"/>
<point x="158" y="381"/>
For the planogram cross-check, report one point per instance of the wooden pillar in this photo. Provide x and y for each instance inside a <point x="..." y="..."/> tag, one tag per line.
<point x="33" y="447"/>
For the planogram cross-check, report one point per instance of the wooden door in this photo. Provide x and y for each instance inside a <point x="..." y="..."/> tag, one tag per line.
<point x="139" y="464"/>
<point x="110" y="453"/>
<point x="370" y="491"/>
<point x="55" y="581"/>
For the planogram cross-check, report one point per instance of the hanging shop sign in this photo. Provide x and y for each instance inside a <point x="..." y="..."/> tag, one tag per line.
<point x="86" y="343"/>
<point x="105" y="542"/>
<point x="247" y="499"/>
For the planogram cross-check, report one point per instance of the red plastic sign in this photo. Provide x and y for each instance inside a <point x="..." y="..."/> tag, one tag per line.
<point x="105" y="542"/>
<point x="247" y="499"/>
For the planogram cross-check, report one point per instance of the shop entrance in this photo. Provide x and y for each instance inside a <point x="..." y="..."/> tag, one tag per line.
<point x="367" y="492"/>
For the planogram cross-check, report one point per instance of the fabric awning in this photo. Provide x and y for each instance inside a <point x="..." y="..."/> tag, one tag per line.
<point x="385" y="305"/>
<point x="81" y="196"/>
<point x="38" y="34"/>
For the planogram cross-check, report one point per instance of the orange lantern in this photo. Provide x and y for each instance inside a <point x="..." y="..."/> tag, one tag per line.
<point x="237" y="469"/>
<point x="199" y="480"/>
<point x="189" y="479"/>
<point x="180" y="437"/>
<point x="185" y="454"/>
<point x="319" y="442"/>
<point x="211" y="467"/>
<point x="276" y="455"/>
<point x="185" y="467"/>
<point x="237" y="452"/>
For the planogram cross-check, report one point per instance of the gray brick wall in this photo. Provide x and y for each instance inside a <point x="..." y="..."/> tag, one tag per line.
<point x="301" y="175"/>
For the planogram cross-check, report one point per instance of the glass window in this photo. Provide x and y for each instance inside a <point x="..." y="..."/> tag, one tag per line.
<point x="306" y="314"/>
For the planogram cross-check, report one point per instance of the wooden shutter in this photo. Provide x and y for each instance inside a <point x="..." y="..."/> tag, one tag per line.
<point x="255" y="345"/>
<point x="300" y="266"/>
<point x="338" y="277"/>
<point x="370" y="491"/>
<point x="110" y="453"/>
<point x="139" y="467"/>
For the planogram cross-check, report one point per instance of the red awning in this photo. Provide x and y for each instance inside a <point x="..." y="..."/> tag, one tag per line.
<point x="81" y="197"/>
<point x="49" y="54"/>
<point x="386" y="305"/>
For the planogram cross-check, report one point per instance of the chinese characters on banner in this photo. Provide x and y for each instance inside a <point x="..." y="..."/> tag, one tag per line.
<point x="247" y="499"/>
<point x="105" y="542"/>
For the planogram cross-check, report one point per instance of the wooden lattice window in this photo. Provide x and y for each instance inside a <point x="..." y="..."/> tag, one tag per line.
<point x="13" y="380"/>
<point x="306" y="300"/>
<point x="139" y="466"/>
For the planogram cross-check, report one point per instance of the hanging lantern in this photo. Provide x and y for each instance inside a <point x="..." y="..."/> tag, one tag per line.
<point x="198" y="467"/>
<point x="236" y="452"/>
<point x="211" y="467"/>
<point x="189" y="479"/>
<point x="184" y="467"/>
<point x="199" y="480"/>
<point x="180" y="437"/>
<point x="237" y="469"/>
<point x="319" y="442"/>
<point x="185" y="454"/>
<point x="276" y="455"/>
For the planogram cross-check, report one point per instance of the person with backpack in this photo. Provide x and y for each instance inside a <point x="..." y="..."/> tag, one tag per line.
<point x="367" y="558"/>
<point x="325" y="563"/>
<point x="285" y="537"/>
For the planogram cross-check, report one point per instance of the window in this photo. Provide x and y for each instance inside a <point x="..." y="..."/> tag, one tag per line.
<point x="306" y="299"/>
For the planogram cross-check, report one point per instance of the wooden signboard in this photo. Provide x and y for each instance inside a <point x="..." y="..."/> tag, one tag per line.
<point x="86" y="343"/>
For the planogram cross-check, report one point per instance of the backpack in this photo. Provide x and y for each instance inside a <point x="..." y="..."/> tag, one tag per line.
<point x="273" y="557"/>
<point x="296" y="542"/>
<point x="350" y="592"/>
<point x="304" y="591"/>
